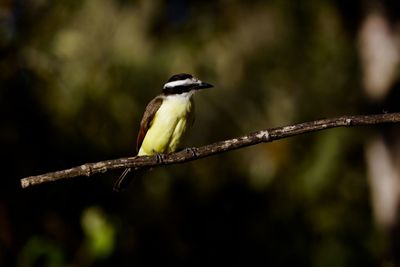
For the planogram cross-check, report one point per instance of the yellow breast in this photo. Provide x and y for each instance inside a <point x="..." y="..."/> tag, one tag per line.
<point x="169" y="125"/>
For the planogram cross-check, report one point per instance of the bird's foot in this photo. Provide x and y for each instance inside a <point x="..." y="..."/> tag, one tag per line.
<point x="160" y="158"/>
<point x="192" y="151"/>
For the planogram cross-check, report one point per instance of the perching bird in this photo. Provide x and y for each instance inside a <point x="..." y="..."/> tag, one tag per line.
<point x="166" y="120"/>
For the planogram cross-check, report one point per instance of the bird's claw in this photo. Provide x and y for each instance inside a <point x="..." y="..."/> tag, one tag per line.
<point x="192" y="151"/>
<point x="160" y="158"/>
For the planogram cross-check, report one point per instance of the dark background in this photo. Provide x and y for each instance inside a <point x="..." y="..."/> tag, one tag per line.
<point x="75" y="77"/>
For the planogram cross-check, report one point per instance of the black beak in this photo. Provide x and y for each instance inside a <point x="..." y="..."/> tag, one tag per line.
<point x="203" y="85"/>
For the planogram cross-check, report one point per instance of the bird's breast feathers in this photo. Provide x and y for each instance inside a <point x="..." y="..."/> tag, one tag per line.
<point x="169" y="125"/>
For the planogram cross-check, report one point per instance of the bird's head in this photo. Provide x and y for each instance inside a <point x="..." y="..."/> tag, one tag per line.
<point x="183" y="83"/>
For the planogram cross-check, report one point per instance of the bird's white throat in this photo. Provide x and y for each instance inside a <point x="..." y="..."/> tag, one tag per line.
<point x="180" y="97"/>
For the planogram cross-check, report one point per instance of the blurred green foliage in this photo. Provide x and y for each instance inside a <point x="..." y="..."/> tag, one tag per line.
<point x="100" y="233"/>
<point x="75" y="77"/>
<point x="42" y="251"/>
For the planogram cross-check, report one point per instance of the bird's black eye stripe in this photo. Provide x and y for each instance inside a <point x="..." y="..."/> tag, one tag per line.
<point x="177" y="89"/>
<point x="180" y="76"/>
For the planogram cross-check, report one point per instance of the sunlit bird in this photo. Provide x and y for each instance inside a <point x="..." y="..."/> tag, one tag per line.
<point x="166" y="120"/>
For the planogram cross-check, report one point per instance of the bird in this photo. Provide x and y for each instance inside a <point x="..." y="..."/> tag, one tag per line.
<point x="165" y="121"/>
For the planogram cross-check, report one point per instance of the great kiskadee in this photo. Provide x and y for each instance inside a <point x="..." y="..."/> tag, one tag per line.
<point x="166" y="119"/>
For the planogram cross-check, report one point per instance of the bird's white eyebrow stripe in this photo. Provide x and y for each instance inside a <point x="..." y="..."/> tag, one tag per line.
<point x="178" y="83"/>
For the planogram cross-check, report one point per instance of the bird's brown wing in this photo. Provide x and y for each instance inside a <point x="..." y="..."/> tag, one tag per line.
<point x="147" y="119"/>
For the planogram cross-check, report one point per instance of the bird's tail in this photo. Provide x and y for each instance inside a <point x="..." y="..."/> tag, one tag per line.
<point x="123" y="180"/>
<point x="126" y="177"/>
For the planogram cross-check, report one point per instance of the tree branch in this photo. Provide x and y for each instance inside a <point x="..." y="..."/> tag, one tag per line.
<point x="190" y="154"/>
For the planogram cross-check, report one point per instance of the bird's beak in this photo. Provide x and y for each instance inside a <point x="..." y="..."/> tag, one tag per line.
<point x="202" y="85"/>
